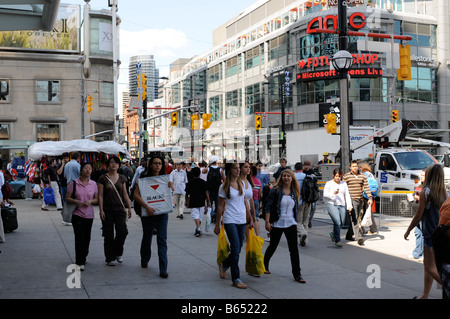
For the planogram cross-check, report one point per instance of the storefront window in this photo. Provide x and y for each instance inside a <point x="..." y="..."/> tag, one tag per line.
<point x="47" y="132"/>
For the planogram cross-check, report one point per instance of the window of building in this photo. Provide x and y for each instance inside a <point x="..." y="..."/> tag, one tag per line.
<point x="253" y="99"/>
<point x="215" y="73"/>
<point x="187" y="89"/>
<point x="199" y="83"/>
<point x="215" y="107"/>
<point x="4" y="131"/>
<point x="4" y="90"/>
<point x="233" y="103"/>
<point x="106" y="93"/>
<point x="48" y="91"/>
<point x="316" y="91"/>
<point x="176" y="93"/>
<point x="47" y="132"/>
<point x="233" y="66"/>
<point x="421" y="88"/>
<point x="278" y="47"/>
<point x="254" y="57"/>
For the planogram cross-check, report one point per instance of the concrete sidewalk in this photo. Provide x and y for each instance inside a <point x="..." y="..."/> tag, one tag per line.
<point x="35" y="259"/>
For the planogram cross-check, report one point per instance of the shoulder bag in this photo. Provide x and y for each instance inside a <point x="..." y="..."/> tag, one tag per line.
<point x="69" y="208"/>
<point x="118" y="195"/>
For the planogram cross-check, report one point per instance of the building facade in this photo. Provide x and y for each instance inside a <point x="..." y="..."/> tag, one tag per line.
<point x="46" y="76"/>
<point x="254" y="53"/>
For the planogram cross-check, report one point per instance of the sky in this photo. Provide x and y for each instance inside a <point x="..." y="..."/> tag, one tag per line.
<point x="167" y="29"/>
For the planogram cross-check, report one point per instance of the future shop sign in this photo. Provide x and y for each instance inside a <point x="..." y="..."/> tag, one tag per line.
<point x="356" y="21"/>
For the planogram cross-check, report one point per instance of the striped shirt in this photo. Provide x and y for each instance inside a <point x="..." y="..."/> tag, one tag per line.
<point x="356" y="184"/>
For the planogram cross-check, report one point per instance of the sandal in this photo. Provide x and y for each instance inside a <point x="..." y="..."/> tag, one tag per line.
<point x="332" y="237"/>
<point x="300" y="280"/>
<point x="222" y="272"/>
<point x="338" y="244"/>
<point x="267" y="272"/>
<point x="240" y="285"/>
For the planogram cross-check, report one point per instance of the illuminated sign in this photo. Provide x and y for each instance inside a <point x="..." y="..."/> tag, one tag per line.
<point x="318" y="61"/>
<point x="356" y="21"/>
<point x="333" y="74"/>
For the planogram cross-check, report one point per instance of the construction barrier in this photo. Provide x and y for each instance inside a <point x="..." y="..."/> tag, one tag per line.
<point x="396" y="204"/>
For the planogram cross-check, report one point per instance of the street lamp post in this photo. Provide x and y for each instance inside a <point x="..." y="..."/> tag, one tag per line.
<point x="342" y="62"/>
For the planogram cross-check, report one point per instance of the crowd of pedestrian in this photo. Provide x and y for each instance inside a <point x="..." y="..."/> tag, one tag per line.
<point x="238" y="195"/>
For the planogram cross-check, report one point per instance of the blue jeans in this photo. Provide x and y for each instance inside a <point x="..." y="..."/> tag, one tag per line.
<point x="159" y="222"/>
<point x="235" y="234"/>
<point x="214" y="198"/>
<point x="337" y="214"/>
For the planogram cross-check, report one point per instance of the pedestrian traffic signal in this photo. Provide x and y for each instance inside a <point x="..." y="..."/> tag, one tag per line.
<point x="174" y="119"/>
<point x="205" y="120"/>
<point x="257" y="122"/>
<point x="404" y="73"/>
<point x="331" y="125"/>
<point x="195" y="121"/>
<point x="394" y="116"/>
<point x="89" y="103"/>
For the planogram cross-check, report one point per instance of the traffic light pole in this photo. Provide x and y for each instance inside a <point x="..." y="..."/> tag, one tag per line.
<point x="145" y="145"/>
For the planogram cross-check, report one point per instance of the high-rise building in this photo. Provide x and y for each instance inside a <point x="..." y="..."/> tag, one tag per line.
<point x="148" y="67"/>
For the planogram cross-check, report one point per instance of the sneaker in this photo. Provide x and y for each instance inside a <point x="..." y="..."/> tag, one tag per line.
<point x="81" y="267"/>
<point x="110" y="263"/>
<point x="198" y="232"/>
<point x="119" y="259"/>
<point x="332" y="237"/>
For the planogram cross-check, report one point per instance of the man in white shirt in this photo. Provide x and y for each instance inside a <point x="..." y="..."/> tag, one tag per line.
<point x="178" y="179"/>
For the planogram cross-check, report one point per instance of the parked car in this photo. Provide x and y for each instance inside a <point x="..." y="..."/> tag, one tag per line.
<point x="18" y="187"/>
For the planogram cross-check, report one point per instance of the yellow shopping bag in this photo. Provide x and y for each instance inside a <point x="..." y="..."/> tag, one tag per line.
<point x="222" y="246"/>
<point x="254" y="258"/>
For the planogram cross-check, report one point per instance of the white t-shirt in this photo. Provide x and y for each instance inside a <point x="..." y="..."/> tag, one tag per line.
<point x="235" y="212"/>
<point x="286" y="213"/>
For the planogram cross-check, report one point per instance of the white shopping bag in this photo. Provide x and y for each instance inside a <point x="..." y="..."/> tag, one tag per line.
<point x="367" y="219"/>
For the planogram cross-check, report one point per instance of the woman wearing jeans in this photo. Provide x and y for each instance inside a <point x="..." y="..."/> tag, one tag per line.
<point x="155" y="167"/>
<point x="236" y="213"/>
<point x="86" y="195"/>
<point x="337" y="201"/>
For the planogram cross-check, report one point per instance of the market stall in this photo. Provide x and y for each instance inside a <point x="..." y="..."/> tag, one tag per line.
<point x="96" y="153"/>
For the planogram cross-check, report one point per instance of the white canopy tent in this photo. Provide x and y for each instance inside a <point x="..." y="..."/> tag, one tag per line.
<point x="49" y="148"/>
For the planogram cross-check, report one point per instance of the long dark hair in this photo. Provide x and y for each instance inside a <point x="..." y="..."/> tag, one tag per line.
<point x="227" y="181"/>
<point x="148" y="171"/>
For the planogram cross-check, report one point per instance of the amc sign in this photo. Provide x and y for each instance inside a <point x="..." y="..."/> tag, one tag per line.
<point x="357" y="21"/>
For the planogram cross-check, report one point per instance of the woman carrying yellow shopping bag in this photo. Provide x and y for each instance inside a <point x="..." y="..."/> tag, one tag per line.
<point x="281" y="217"/>
<point x="236" y="215"/>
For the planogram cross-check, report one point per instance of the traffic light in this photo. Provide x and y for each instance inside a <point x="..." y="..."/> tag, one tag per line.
<point x="394" y="116"/>
<point x="257" y="122"/>
<point x="89" y="103"/>
<point x="174" y="119"/>
<point x="195" y="122"/>
<point x="143" y="86"/>
<point x="205" y="120"/>
<point x="331" y="125"/>
<point x="404" y="73"/>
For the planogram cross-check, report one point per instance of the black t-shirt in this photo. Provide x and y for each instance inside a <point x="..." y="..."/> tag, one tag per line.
<point x="196" y="190"/>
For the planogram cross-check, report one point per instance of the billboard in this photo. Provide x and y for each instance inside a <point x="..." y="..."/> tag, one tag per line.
<point x="65" y="35"/>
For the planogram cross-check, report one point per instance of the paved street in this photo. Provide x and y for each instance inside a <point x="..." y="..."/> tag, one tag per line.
<point x="35" y="257"/>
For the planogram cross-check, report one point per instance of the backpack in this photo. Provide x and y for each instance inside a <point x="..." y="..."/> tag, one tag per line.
<point x="7" y="190"/>
<point x="213" y="180"/>
<point x="310" y="190"/>
<point x="373" y="185"/>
